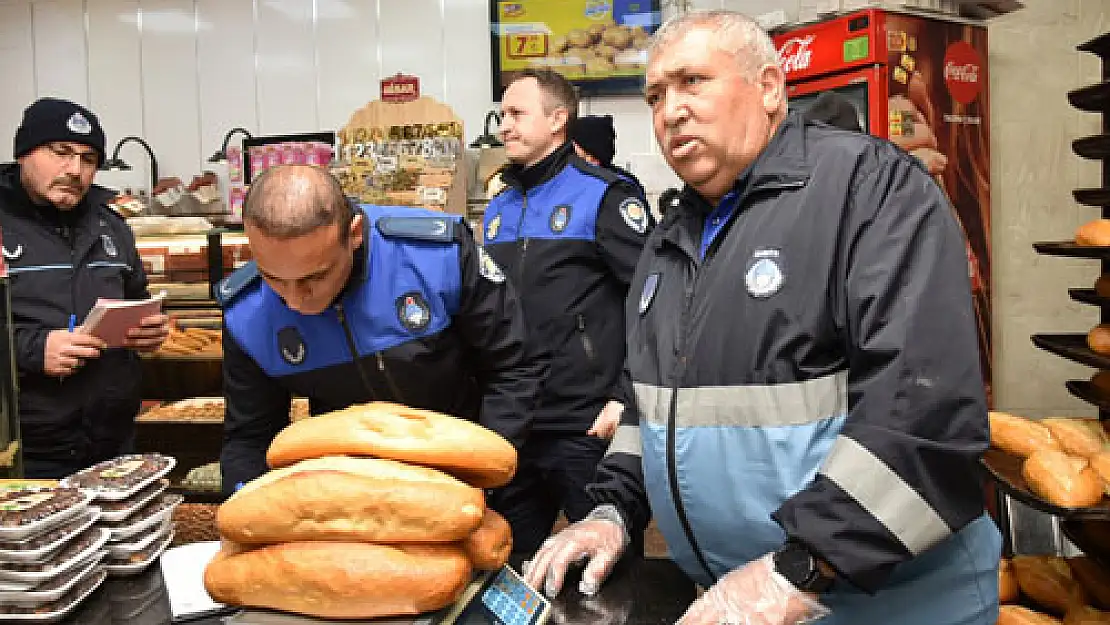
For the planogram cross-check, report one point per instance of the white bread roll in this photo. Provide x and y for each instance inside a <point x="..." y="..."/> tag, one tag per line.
<point x="1086" y="615"/>
<point x="1064" y="480"/>
<point x="1019" y="436"/>
<point x="1049" y="582"/>
<point x="466" y="450"/>
<point x="1096" y="232"/>
<point x="490" y="545"/>
<point x="1018" y="615"/>
<point x="1078" y="437"/>
<point x="1098" y="339"/>
<point x="340" y="580"/>
<point x="1007" y="582"/>
<point x="341" y="499"/>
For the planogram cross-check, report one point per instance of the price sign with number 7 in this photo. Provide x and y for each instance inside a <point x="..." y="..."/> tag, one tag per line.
<point x="526" y="45"/>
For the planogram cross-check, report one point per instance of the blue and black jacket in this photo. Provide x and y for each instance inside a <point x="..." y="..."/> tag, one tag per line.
<point x="568" y="234"/>
<point x="59" y="263"/>
<point x="426" y="319"/>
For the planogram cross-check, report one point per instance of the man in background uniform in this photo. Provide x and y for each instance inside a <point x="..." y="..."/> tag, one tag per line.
<point x="568" y="235"/>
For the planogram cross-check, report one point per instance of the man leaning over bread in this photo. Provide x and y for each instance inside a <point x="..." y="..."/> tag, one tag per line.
<point x="346" y="304"/>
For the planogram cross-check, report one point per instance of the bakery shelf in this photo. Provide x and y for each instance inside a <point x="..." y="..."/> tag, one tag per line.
<point x="1088" y="296"/>
<point x="1092" y="197"/>
<point x="1096" y="147"/>
<point x="1099" y="45"/>
<point x="1092" y="98"/>
<point x="1087" y="392"/>
<point x="1070" y="249"/>
<point x="1092" y="536"/>
<point x="1005" y="470"/>
<point x="1073" y="347"/>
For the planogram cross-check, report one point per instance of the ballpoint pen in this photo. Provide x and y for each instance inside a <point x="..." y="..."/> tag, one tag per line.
<point x="72" y="322"/>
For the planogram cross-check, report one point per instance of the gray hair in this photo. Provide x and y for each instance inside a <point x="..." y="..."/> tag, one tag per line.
<point x="289" y="201"/>
<point x="733" y="33"/>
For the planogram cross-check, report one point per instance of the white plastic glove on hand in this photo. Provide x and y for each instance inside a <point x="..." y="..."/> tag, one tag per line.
<point x="754" y="594"/>
<point x="599" y="539"/>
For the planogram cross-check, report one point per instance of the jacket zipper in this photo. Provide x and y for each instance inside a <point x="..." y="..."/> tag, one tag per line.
<point x="342" y="314"/>
<point x="389" y="379"/>
<point x="587" y="344"/>
<point x="523" y="239"/>
<point x="672" y="417"/>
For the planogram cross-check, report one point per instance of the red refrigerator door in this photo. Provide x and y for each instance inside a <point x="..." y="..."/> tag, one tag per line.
<point x="865" y="88"/>
<point x="939" y="111"/>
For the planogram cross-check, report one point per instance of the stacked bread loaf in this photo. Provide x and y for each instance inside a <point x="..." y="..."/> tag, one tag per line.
<point x="1065" y="460"/>
<point x="1076" y="589"/>
<point x="375" y="510"/>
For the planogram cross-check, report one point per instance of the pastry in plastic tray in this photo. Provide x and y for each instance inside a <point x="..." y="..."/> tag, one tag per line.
<point x="117" y="511"/>
<point x="25" y="513"/>
<point x="78" y="551"/>
<point x="138" y="542"/>
<point x="37" y="548"/>
<point x="55" y="610"/>
<point x="138" y="561"/>
<point x="122" y="477"/>
<point x="154" y="513"/>
<point x="53" y="589"/>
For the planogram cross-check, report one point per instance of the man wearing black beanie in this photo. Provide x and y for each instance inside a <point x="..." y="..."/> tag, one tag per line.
<point x="65" y="248"/>
<point x="595" y="141"/>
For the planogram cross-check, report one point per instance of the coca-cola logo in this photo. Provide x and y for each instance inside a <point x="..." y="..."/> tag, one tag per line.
<point x="963" y="72"/>
<point x="796" y="54"/>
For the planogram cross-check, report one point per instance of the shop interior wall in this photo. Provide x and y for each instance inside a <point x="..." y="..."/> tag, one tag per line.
<point x="1033" y="64"/>
<point x="181" y="72"/>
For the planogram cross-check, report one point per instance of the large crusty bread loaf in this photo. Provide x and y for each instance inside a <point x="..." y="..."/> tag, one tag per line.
<point x="1048" y="581"/>
<point x="1095" y="232"/>
<point x="490" y="545"/>
<point x="384" y="430"/>
<point x="340" y="580"/>
<point x="1062" y="479"/>
<point x="1007" y="582"/>
<point x="1093" y="578"/>
<point x="339" y="498"/>
<point x="1019" y="615"/>
<point x="1078" y="437"/>
<point x="1019" y="436"/>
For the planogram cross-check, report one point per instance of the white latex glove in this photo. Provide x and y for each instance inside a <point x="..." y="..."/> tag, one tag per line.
<point x="599" y="539"/>
<point x="754" y="594"/>
<point x="605" y="426"/>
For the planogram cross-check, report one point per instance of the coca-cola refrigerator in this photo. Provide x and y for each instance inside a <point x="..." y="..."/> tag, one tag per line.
<point x="921" y="83"/>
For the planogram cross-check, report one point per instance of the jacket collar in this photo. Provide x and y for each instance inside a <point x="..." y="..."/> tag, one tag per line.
<point x="12" y="187"/>
<point x="525" y="178"/>
<point x="781" y="165"/>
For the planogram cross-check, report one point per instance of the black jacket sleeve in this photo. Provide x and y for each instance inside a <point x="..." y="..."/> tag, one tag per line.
<point x="30" y="346"/>
<point x="903" y="475"/>
<point x="620" y="232"/>
<point x="620" y="474"/>
<point x="491" y="321"/>
<point x="257" y="408"/>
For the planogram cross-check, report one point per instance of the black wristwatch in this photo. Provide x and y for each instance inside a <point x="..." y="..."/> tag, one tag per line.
<point x="799" y="567"/>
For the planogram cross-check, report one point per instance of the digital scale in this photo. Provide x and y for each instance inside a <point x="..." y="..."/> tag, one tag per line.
<point x="498" y="598"/>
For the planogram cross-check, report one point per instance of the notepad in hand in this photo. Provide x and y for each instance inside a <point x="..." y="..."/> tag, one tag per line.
<point x="111" y="319"/>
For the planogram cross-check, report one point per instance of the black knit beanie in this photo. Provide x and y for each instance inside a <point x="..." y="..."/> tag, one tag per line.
<point x="595" y="134"/>
<point x="52" y="119"/>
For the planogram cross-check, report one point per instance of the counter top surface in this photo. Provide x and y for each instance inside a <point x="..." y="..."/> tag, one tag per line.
<point x="640" y="591"/>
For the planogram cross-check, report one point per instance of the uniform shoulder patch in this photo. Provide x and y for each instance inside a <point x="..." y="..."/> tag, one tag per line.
<point x="635" y="214"/>
<point x="232" y="286"/>
<point x="435" y="229"/>
<point x="488" y="268"/>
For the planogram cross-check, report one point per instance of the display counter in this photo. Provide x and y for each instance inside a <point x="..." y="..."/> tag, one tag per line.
<point x="640" y="591"/>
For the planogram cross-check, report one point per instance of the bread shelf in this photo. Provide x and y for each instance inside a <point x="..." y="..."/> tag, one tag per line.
<point x="1092" y="536"/>
<point x="1092" y="197"/>
<point x="1071" y="250"/>
<point x="1087" y="392"/>
<point x="1088" y="296"/>
<point x="1005" y="470"/>
<point x="1092" y="98"/>
<point x="1073" y="347"/>
<point x="1096" y="147"/>
<point x="1099" y="45"/>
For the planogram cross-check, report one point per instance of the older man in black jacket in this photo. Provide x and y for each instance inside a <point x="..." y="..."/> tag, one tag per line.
<point x="65" y="248"/>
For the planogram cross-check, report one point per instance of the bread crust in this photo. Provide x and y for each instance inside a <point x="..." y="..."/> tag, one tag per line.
<point x="489" y="546"/>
